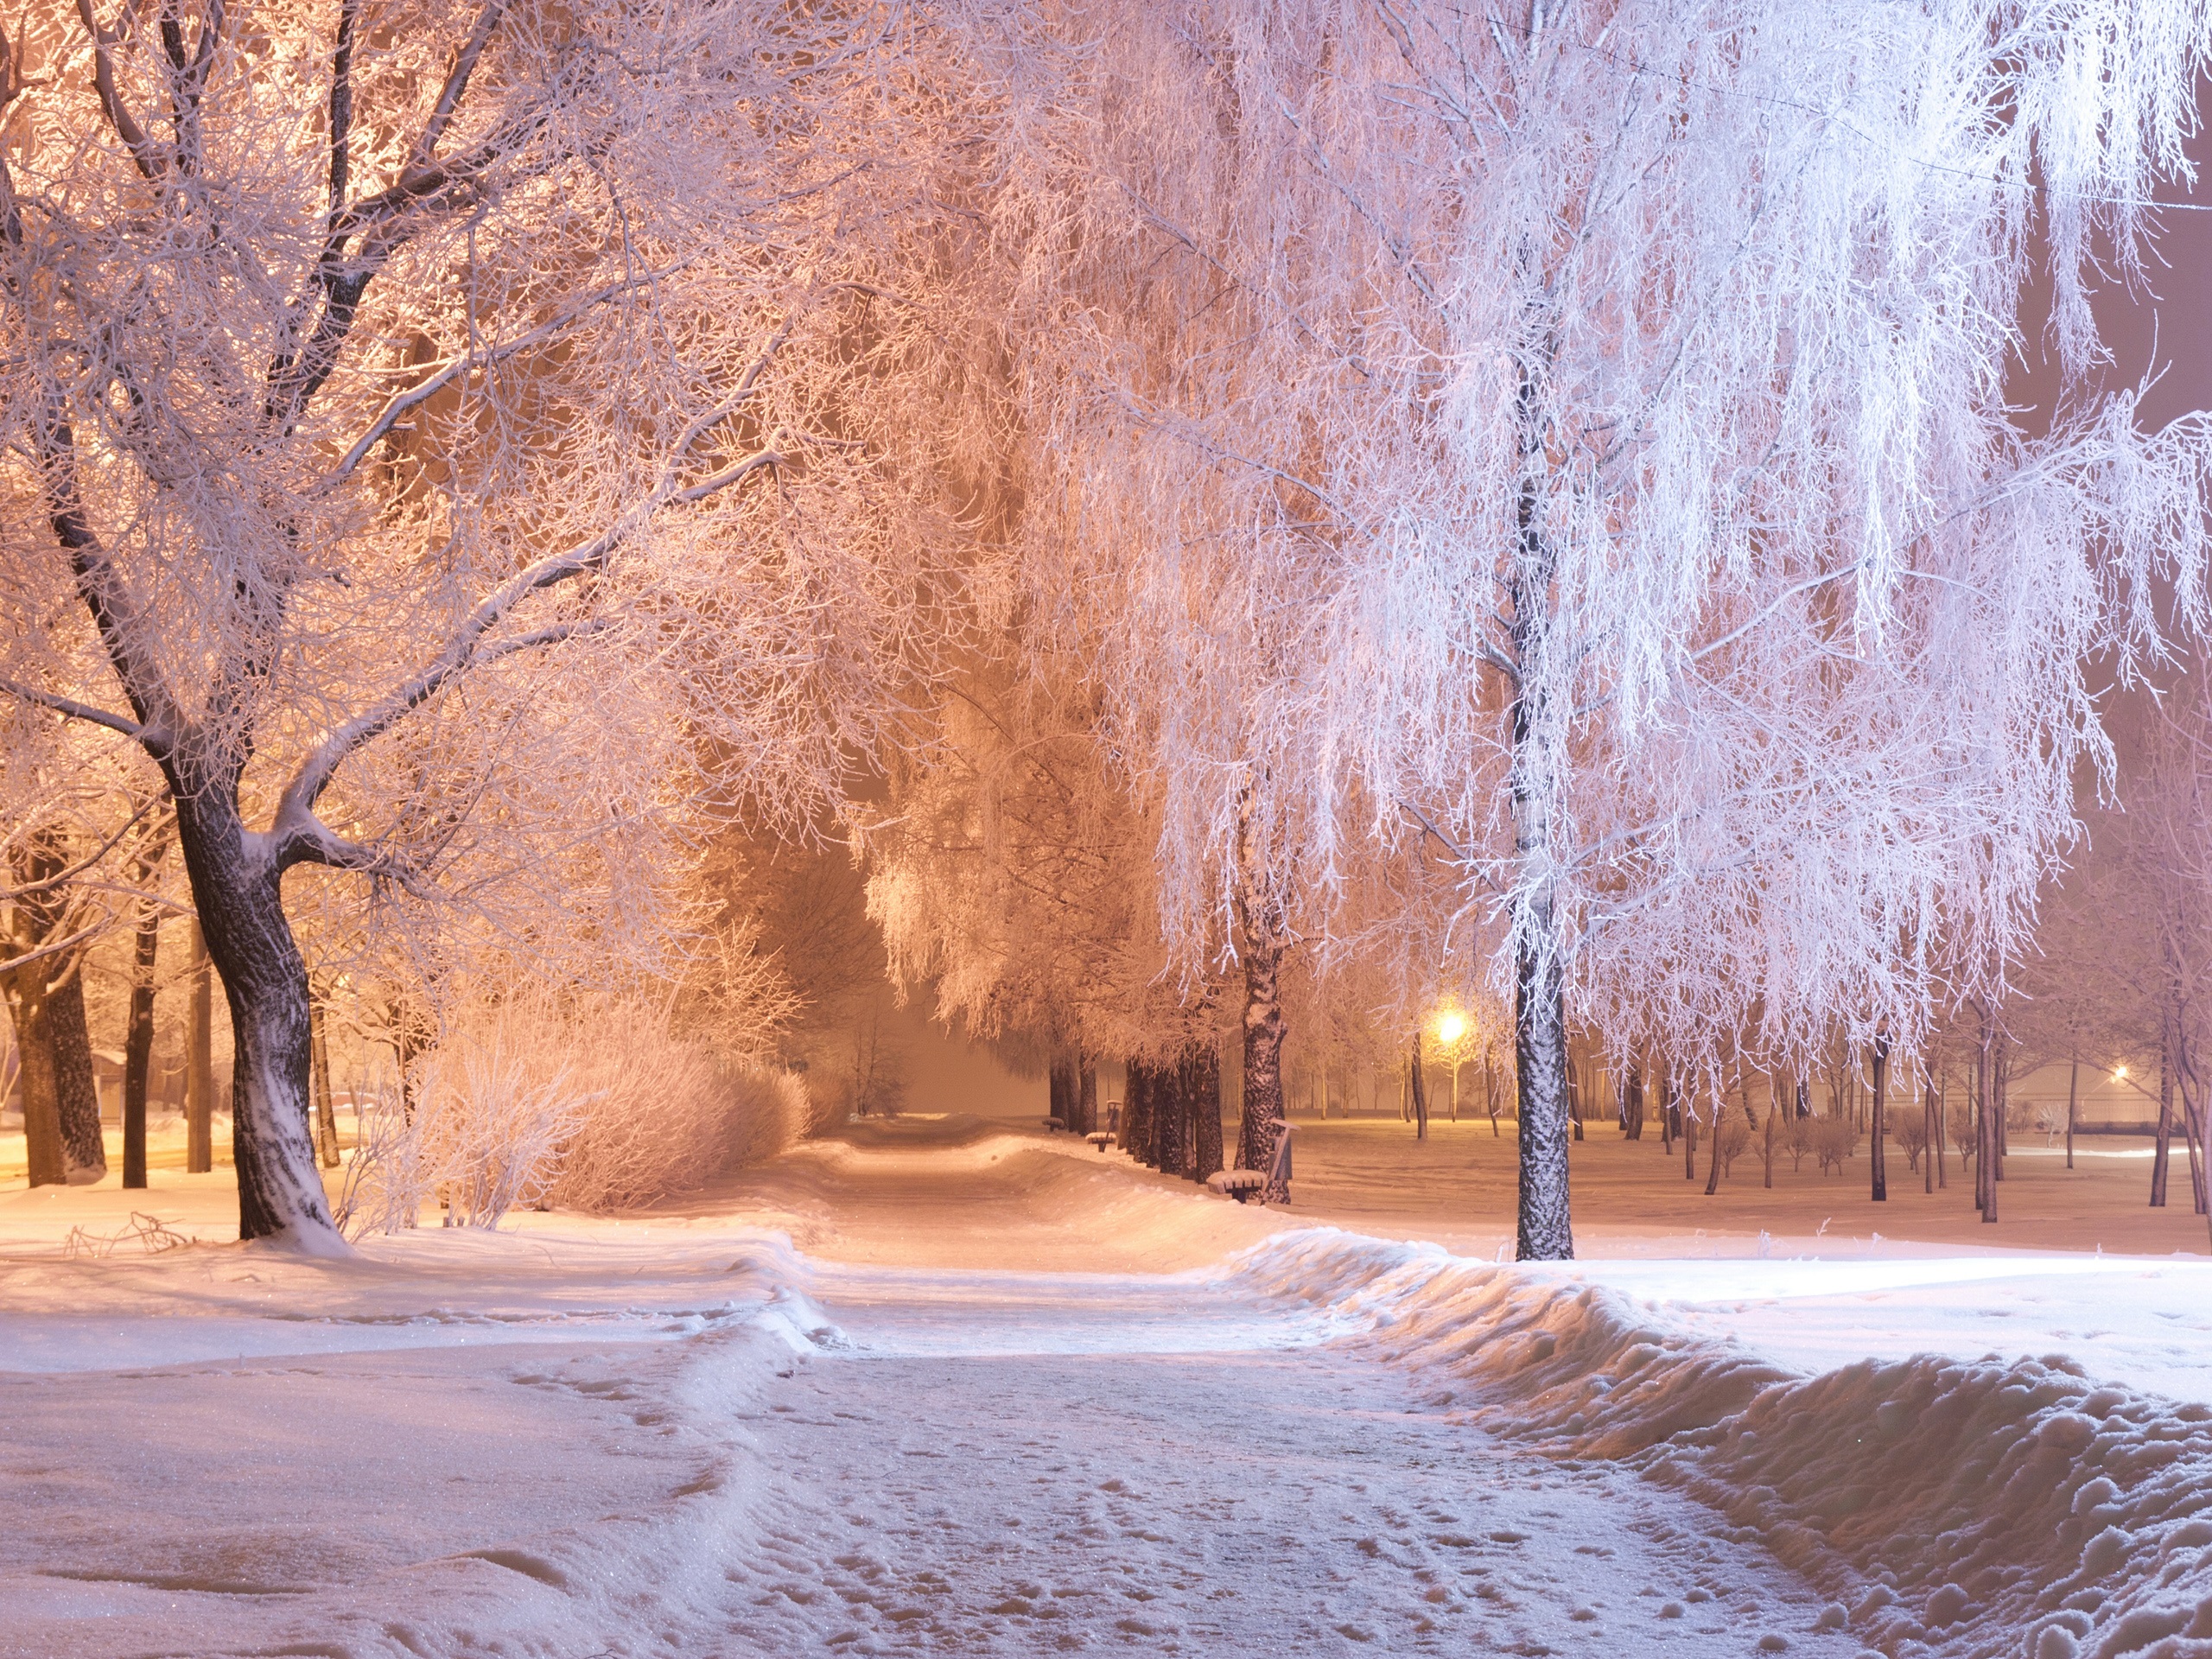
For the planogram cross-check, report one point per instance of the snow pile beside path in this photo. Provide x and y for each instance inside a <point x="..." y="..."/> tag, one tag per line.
<point x="1984" y="1508"/>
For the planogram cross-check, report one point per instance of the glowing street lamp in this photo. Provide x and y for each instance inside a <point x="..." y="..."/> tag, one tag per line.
<point x="1451" y="1028"/>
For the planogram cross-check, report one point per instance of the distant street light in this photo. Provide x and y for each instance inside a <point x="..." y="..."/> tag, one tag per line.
<point x="1452" y="1028"/>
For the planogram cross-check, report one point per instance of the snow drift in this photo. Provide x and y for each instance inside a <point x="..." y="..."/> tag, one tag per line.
<point x="1984" y="1508"/>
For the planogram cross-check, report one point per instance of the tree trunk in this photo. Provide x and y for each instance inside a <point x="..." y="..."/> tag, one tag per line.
<point x="1420" y="1086"/>
<point x="2164" y="1144"/>
<point x="2001" y="1089"/>
<point x="1059" y="1086"/>
<point x="138" y="1050"/>
<point x="1489" y="1094"/>
<point x="34" y="1077"/>
<point x="1201" y="1088"/>
<point x="237" y="888"/>
<point x="326" y="1106"/>
<point x="1260" y="1123"/>
<point x="1544" y="1228"/>
<point x="1877" y="1120"/>
<point x="1132" y="1108"/>
<point x="2073" y="1104"/>
<point x="1932" y="1150"/>
<point x="1086" y="1092"/>
<point x="1942" y="1130"/>
<point x="1766" y="1155"/>
<point x="1689" y="1140"/>
<point x="1985" y="1146"/>
<point x="1712" y="1173"/>
<point x="1573" y="1095"/>
<point x="200" y="1064"/>
<point x="1170" y="1120"/>
<point x="76" y="1092"/>
<point x="1666" y="1118"/>
<point x="1632" y="1103"/>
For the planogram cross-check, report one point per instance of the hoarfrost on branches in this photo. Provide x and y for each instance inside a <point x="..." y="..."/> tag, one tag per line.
<point x="1605" y="404"/>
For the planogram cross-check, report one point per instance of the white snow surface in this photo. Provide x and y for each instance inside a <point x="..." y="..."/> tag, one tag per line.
<point x="925" y="1434"/>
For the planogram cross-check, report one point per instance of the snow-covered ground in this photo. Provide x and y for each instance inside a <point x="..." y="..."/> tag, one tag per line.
<point x="935" y="1386"/>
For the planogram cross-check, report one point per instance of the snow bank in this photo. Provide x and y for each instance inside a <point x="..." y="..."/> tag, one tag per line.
<point x="1983" y="1507"/>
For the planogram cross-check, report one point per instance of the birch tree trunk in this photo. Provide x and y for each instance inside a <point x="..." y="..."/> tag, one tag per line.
<point x="1544" y="1229"/>
<point x="1260" y="1124"/>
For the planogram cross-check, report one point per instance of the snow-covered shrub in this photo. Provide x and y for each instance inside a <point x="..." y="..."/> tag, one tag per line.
<point x="600" y="1108"/>
<point x="478" y="1131"/>
<point x="666" y="1115"/>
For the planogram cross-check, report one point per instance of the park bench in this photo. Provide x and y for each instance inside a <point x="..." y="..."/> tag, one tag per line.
<point x="1242" y="1184"/>
<point x="1099" y="1138"/>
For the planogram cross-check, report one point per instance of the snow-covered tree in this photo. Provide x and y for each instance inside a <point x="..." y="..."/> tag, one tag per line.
<point x="1604" y="406"/>
<point x="453" y="431"/>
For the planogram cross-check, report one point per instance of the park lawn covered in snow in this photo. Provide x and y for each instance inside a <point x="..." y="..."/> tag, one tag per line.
<point x="936" y="1386"/>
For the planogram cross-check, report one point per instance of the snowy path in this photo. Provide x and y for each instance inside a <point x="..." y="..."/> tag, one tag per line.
<point x="1004" y="1464"/>
<point x="998" y="1409"/>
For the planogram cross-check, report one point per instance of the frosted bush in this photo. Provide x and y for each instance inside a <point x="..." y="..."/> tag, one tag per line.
<point x="598" y="1108"/>
<point x="667" y="1116"/>
<point x="480" y="1132"/>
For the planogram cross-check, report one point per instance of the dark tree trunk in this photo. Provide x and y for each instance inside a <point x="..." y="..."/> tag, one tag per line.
<point x="1713" y="1159"/>
<point x="2073" y="1104"/>
<point x="1136" y="1112"/>
<point x="138" y="1050"/>
<point x="1545" y="1229"/>
<point x="1929" y="1153"/>
<point x="1666" y="1119"/>
<point x="1632" y="1103"/>
<point x="1086" y="1093"/>
<point x="76" y="1092"/>
<point x="1061" y="1086"/>
<point x="1942" y="1135"/>
<point x="2162" y="1147"/>
<point x="2001" y="1089"/>
<point x="1985" y="1145"/>
<point x="61" y="1107"/>
<point x="1877" y="1123"/>
<point x="1689" y="1141"/>
<point x="35" y="1058"/>
<point x="1766" y="1147"/>
<point x="200" y="1063"/>
<point x="1574" y="1102"/>
<point x="1200" y="1082"/>
<point x="237" y="888"/>
<point x="1420" y="1086"/>
<point x="1489" y="1094"/>
<point x="1171" y="1122"/>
